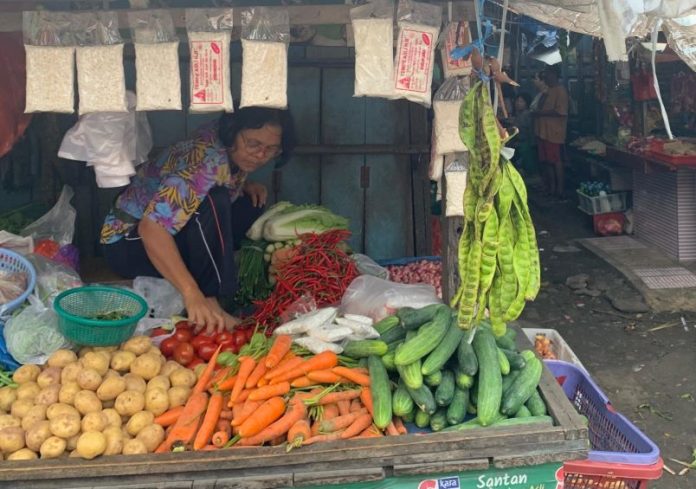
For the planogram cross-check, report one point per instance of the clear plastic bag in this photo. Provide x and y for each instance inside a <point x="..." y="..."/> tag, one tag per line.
<point x="58" y="224"/>
<point x="265" y="38"/>
<point x="455" y="176"/>
<point x="21" y="244"/>
<point x="367" y="266"/>
<point x="377" y="298"/>
<point x="455" y="34"/>
<point x="52" y="278"/>
<point x="12" y="285"/>
<point x="447" y="102"/>
<point x="373" y="31"/>
<point x="209" y="35"/>
<point x="162" y="297"/>
<point x="158" y="81"/>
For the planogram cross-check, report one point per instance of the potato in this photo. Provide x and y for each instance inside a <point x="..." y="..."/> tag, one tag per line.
<point x="89" y="379"/>
<point x="65" y="425"/>
<point x="111" y="388"/>
<point x="8" y="395"/>
<point x="169" y="367"/>
<point x="53" y="447"/>
<point x="28" y="390"/>
<point x="134" y="447"/>
<point x="161" y="382"/>
<point x="26" y="373"/>
<point x="151" y="436"/>
<point x="33" y="416"/>
<point x="87" y="402"/>
<point x="96" y="361"/>
<point x="71" y="443"/>
<point x="182" y="377"/>
<point x="178" y="395"/>
<point x="129" y="402"/>
<point x="135" y="383"/>
<point x="11" y="439"/>
<point x="84" y="351"/>
<point x="48" y="395"/>
<point x="137" y="344"/>
<point x="112" y="373"/>
<point x="91" y="444"/>
<point x="70" y="372"/>
<point x="94" y="422"/>
<point x="50" y="376"/>
<point x="121" y="360"/>
<point x="61" y="358"/>
<point x="114" y="441"/>
<point x="66" y="394"/>
<point x="60" y="408"/>
<point x="37" y="434"/>
<point x="146" y="366"/>
<point x="9" y="421"/>
<point x="21" y="407"/>
<point x="126" y="435"/>
<point x="156" y="400"/>
<point x="23" y="454"/>
<point x="105" y="349"/>
<point x="113" y="419"/>
<point x="108" y="404"/>
<point x="139" y="421"/>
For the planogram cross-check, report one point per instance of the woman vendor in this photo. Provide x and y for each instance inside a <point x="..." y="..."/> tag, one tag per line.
<point x="184" y="212"/>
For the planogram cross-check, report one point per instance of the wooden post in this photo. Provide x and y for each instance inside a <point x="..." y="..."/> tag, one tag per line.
<point x="451" y="232"/>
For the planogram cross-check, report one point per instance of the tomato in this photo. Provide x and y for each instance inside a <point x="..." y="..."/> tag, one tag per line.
<point x="167" y="346"/>
<point x="159" y="332"/>
<point x="200" y="339"/>
<point x="185" y="324"/>
<point x="194" y="363"/>
<point x="229" y="346"/>
<point x="239" y="338"/>
<point x="183" y="335"/>
<point x="206" y="350"/>
<point x="183" y="353"/>
<point x="223" y="336"/>
<point x="249" y="333"/>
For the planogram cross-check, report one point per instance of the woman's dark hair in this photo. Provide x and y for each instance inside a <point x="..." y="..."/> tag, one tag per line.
<point x="525" y="96"/>
<point x="230" y="124"/>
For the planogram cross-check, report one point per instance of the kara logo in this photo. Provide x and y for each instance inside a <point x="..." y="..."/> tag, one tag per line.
<point x="560" y="476"/>
<point x="444" y="483"/>
<point x="428" y="484"/>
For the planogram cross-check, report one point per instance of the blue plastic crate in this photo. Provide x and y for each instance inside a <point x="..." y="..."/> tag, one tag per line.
<point x="613" y="438"/>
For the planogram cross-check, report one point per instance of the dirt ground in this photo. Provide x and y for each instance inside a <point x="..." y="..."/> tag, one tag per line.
<point x="647" y="375"/>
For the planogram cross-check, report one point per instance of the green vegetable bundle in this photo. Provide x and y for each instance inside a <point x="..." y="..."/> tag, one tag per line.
<point x="498" y="253"/>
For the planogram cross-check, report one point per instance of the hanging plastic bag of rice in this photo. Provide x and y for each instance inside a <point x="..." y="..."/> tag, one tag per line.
<point x="210" y="84"/>
<point x="373" y="31"/>
<point x="265" y="38"/>
<point x="101" y="81"/>
<point x="50" y="61"/>
<point x="157" y="78"/>
<point x="455" y="34"/>
<point x="446" y="103"/>
<point x="419" y="25"/>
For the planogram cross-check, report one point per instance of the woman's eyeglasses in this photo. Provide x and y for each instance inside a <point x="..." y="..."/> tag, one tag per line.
<point x="257" y="148"/>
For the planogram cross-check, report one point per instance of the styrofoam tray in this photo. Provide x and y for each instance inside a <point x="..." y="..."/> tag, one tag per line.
<point x="558" y="345"/>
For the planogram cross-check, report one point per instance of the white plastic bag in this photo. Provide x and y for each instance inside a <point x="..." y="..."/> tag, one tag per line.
<point x="455" y="176"/>
<point x="161" y="296"/>
<point x="446" y="104"/>
<point x="367" y="266"/>
<point x="377" y="298"/>
<point x="58" y="223"/>
<point x="373" y="31"/>
<point x="21" y="244"/>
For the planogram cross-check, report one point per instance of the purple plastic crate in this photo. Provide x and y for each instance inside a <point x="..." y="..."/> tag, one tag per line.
<point x="613" y="438"/>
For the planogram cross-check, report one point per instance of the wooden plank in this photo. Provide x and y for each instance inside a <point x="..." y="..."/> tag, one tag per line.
<point x="420" y="183"/>
<point x="537" y="458"/>
<point x="441" y="467"/>
<point x="337" y="477"/>
<point x="255" y="482"/>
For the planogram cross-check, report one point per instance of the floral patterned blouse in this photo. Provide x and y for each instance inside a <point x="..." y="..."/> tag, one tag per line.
<point x="169" y="189"/>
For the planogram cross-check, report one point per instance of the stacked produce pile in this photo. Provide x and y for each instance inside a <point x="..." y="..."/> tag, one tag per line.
<point x="418" y="272"/>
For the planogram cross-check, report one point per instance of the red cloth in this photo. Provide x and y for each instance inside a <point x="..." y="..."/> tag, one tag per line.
<point x="13" y="120"/>
<point x="549" y="152"/>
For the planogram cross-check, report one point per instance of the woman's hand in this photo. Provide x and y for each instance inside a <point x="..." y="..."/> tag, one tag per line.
<point x="257" y="192"/>
<point x="201" y="312"/>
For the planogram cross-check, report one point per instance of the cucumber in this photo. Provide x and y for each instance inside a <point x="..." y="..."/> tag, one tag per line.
<point x="438" y="421"/>
<point x="523" y="412"/>
<point x="423" y="398"/>
<point x="414" y="318"/>
<point x="490" y="380"/>
<point x="381" y="392"/>
<point x="365" y="348"/>
<point x="434" y="379"/>
<point x="411" y="374"/>
<point x="463" y="380"/>
<point x="509" y="379"/>
<point x="409" y="416"/>
<point x="516" y="360"/>
<point x="501" y="422"/>
<point x="467" y="358"/>
<point x="401" y="401"/>
<point x="388" y="361"/>
<point x="426" y="340"/>
<point x="456" y="411"/>
<point x="536" y="404"/>
<point x="507" y="341"/>
<point x="503" y="362"/>
<point x="422" y="419"/>
<point x="442" y="353"/>
<point x="445" y="391"/>
<point x="395" y="334"/>
<point x="522" y="388"/>
<point x="385" y="324"/>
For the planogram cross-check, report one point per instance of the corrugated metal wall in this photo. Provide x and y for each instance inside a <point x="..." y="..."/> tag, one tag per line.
<point x="686" y="214"/>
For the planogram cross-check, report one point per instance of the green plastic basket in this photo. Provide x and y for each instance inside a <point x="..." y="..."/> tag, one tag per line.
<point x="77" y="309"/>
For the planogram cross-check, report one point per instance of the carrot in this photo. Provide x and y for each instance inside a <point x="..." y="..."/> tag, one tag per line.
<point x="392" y="430"/>
<point x="262" y="382"/>
<point x="343" y="407"/>
<point x="289" y="362"/>
<point x="209" y="448"/>
<point x="357" y="426"/>
<point x="223" y="425"/>
<point x="322" y="361"/>
<point x="356" y="405"/>
<point x="352" y="374"/>
<point x="227" y="383"/>
<point x="280" y="347"/>
<point x="219" y="376"/>
<point x="245" y="411"/>
<point x="366" y="398"/>
<point x="169" y="417"/>
<point x="209" y="421"/>
<point x="323" y="438"/>
<point x="296" y="411"/>
<point x="186" y="425"/>
<point x="256" y="374"/>
<point x="330" y="411"/>
<point x="323" y="377"/>
<point x="361" y="370"/>
<point x="220" y="438"/>
<point x="226" y="414"/>
<point x="246" y="366"/>
<point x="338" y="396"/>
<point x="267" y="413"/>
<point x="297" y="433"/>
<point x="268" y="391"/>
<point x="399" y="423"/>
<point x="244" y="395"/>
<point x="314" y="431"/>
<point x="339" y="422"/>
<point x="207" y="374"/>
<point x="300" y="382"/>
<point x="370" y="432"/>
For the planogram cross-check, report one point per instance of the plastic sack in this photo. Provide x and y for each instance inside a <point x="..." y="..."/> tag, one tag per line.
<point x="158" y="80"/>
<point x="32" y="335"/>
<point x="209" y="34"/>
<point x="12" y="285"/>
<point x="446" y="104"/>
<point x="161" y="296"/>
<point x="367" y="266"/>
<point x="373" y="32"/>
<point x="455" y="178"/>
<point x="58" y="224"/>
<point x="455" y="34"/>
<point x="377" y="298"/>
<point x="265" y="38"/>
<point x="52" y="278"/>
